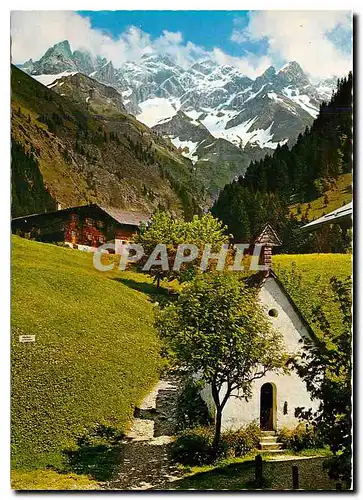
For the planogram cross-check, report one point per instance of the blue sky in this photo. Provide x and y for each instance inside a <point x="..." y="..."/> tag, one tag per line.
<point x="207" y="29"/>
<point x="320" y="41"/>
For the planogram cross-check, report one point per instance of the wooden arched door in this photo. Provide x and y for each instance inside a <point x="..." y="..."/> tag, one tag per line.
<point x="267" y="407"/>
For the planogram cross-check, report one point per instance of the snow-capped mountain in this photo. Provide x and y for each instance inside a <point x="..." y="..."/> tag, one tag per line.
<point x="204" y="106"/>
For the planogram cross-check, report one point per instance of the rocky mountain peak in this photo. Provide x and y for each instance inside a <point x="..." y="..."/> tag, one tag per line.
<point x="94" y="96"/>
<point x="292" y="67"/>
<point x="157" y="59"/>
<point x="204" y="67"/>
<point x="269" y="72"/>
<point x="292" y="74"/>
<point x="63" y="48"/>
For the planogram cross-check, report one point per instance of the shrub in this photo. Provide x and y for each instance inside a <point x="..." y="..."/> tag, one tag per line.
<point x="191" y="410"/>
<point x="194" y="446"/>
<point x="239" y="443"/>
<point x="300" y="437"/>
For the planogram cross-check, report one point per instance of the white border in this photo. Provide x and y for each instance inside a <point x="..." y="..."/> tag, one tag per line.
<point x="5" y="175"/>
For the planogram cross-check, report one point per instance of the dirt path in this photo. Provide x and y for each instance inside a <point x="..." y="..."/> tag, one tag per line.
<point x="145" y="456"/>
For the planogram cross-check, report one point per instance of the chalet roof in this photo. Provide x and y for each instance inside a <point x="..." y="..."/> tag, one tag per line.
<point x="258" y="279"/>
<point x="130" y="218"/>
<point x="341" y="214"/>
<point x="268" y="237"/>
<point x="126" y="217"/>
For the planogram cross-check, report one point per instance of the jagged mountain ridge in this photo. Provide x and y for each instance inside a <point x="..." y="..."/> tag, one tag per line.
<point x="215" y="160"/>
<point x="274" y="108"/>
<point x="85" y="91"/>
<point x="86" y="156"/>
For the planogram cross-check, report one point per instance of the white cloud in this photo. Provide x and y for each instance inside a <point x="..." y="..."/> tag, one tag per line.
<point x="33" y="32"/>
<point x="303" y="36"/>
<point x="291" y="35"/>
<point x="251" y="65"/>
<point x="173" y="45"/>
<point x="239" y="36"/>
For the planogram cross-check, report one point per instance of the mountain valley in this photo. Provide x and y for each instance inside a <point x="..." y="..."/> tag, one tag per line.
<point x="217" y="118"/>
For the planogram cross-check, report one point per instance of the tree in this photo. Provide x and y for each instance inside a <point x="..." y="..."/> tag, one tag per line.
<point x="28" y="193"/>
<point x="327" y="371"/>
<point x="218" y="330"/>
<point x="231" y="210"/>
<point x="165" y="230"/>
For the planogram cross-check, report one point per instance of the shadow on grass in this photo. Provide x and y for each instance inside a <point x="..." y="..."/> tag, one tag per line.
<point x="231" y="477"/>
<point x="147" y="288"/>
<point x="277" y="475"/>
<point x="97" y="454"/>
<point x="161" y="294"/>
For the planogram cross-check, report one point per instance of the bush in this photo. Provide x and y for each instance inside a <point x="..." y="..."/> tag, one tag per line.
<point x="191" y="410"/>
<point x="301" y="437"/>
<point x="194" y="446"/>
<point x="239" y="443"/>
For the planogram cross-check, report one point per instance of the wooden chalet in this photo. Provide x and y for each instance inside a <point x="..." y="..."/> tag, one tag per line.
<point x="85" y="227"/>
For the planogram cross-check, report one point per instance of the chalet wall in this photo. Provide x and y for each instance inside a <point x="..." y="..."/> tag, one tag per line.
<point x="84" y="226"/>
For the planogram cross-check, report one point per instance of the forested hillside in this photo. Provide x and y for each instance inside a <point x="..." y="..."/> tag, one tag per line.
<point x="28" y="193"/>
<point x="292" y="176"/>
<point x="80" y="157"/>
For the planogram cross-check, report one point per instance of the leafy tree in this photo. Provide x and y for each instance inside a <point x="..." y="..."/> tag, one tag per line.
<point x="218" y="330"/>
<point x="165" y="230"/>
<point x="327" y="371"/>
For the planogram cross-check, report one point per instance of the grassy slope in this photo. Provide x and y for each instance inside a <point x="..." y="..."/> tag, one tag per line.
<point x="50" y="480"/>
<point x="306" y="278"/>
<point x="95" y="355"/>
<point x="338" y="195"/>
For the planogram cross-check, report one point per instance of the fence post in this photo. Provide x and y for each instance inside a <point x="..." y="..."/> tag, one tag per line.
<point x="258" y="470"/>
<point x="295" y="477"/>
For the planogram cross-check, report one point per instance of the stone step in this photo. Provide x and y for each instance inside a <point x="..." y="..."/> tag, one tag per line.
<point x="272" y="451"/>
<point x="269" y="439"/>
<point x="268" y="433"/>
<point x="270" y="446"/>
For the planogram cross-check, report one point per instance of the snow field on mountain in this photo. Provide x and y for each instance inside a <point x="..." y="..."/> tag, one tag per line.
<point x="156" y="109"/>
<point x="192" y="146"/>
<point x="302" y="100"/>
<point x="49" y="80"/>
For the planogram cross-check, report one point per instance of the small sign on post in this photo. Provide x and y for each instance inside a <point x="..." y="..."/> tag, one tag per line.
<point x="26" y="338"/>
